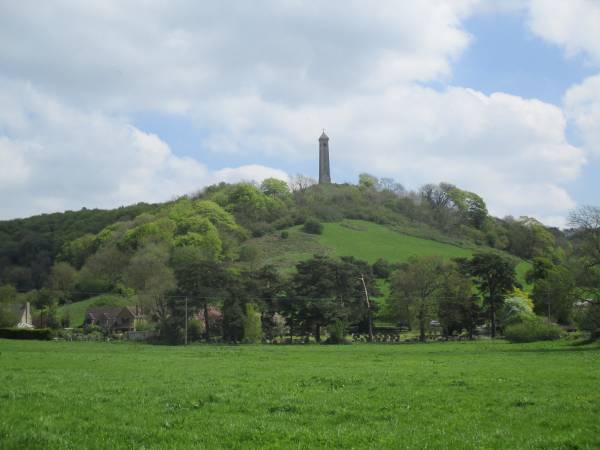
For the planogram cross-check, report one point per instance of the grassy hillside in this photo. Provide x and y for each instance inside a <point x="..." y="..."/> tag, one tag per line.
<point x="470" y="395"/>
<point x="363" y="240"/>
<point x="370" y="241"/>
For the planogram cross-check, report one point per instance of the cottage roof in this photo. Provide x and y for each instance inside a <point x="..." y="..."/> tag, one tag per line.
<point x="108" y="312"/>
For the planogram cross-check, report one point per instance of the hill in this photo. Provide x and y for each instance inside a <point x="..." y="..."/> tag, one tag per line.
<point x="68" y="257"/>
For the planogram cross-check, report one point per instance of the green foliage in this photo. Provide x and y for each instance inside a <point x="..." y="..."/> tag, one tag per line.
<point x="337" y="333"/>
<point x="494" y="276"/>
<point x="233" y="321"/>
<point x="275" y="187"/>
<point x="42" y="334"/>
<point x="195" y="330"/>
<point x="78" y="250"/>
<point x="517" y="308"/>
<point x="416" y="289"/>
<point x="588" y="318"/>
<point x="8" y="306"/>
<point x="312" y="226"/>
<point x="154" y="231"/>
<point x="532" y="330"/>
<point x="252" y="325"/>
<point x="382" y="268"/>
<point x="324" y="290"/>
<point x="554" y="294"/>
<point x="33" y="244"/>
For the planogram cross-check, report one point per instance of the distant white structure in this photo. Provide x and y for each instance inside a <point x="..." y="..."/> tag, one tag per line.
<point x="25" y="320"/>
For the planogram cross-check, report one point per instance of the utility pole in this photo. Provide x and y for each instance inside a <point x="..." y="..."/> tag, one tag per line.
<point x="369" y="312"/>
<point x="186" y="321"/>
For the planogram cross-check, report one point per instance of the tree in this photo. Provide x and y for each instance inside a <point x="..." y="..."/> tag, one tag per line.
<point x="300" y="183"/>
<point x="494" y="276"/>
<point x="62" y="279"/>
<point x="382" y="268"/>
<point x="586" y="221"/>
<point x="415" y="290"/>
<point x="274" y="187"/>
<point x="8" y="306"/>
<point x="199" y="280"/>
<point x="439" y="200"/>
<point x="517" y="308"/>
<point x="324" y="289"/>
<point x="252" y="325"/>
<point x="554" y="294"/>
<point x="149" y="274"/>
<point x="368" y="182"/>
<point x="471" y="206"/>
<point x="388" y="184"/>
<point x="233" y="320"/>
<point x="458" y="308"/>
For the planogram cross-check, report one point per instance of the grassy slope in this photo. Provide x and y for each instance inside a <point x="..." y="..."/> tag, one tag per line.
<point x="371" y="241"/>
<point x="435" y="396"/>
<point x="363" y="240"/>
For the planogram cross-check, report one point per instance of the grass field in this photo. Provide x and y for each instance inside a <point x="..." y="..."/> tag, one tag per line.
<point x="443" y="395"/>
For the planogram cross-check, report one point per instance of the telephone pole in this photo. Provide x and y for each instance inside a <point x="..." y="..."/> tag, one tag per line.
<point x="369" y="312"/>
<point x="186" y="321"/>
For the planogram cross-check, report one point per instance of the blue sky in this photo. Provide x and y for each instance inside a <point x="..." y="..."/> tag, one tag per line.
<point x="106" y="103"/>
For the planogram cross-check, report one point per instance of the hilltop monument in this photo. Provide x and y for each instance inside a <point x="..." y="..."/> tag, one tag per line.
<point x="324" y="174"/>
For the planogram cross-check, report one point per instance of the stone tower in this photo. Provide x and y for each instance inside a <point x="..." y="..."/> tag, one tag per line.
<point x="324" y="174"/>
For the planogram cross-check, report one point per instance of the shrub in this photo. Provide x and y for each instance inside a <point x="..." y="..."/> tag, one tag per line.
<point x="42" y="334"/>
<point x="285" y="234"/>
<point x="532" y="330"/>
<point x="588" y="319"/>
<point x="233" y="321"/>
<point x="337" y="333"/>
<point x="313" y="226"/>
<point x="252" y="325"/>
<point x="195" y="330"/>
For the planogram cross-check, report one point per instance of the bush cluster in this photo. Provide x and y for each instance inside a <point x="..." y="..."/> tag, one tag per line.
<point x="531" y="331"/>
<point x="43" y="334"/>
<point x="313" y="226"/>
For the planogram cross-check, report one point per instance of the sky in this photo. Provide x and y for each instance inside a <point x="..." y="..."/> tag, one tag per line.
<point x="107" y="103"/>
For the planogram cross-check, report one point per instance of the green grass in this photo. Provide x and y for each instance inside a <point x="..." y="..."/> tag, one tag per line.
<point x="436" y="396"/>
<point x="363" y="240"/>
<point x="77" y="310"/>
<point x="370" y="241"/>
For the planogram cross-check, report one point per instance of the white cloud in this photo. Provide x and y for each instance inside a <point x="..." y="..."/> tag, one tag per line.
<point x="54" y="157"/>
<point x="261" y="79"/>
<point x="575" y="26"/>
<point x="572" y="24"/>
<point x="582" y="103"/>
<point x="172" y="56"/>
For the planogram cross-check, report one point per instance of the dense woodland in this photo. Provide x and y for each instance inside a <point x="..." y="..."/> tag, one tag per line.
<point x="195" y="248"/>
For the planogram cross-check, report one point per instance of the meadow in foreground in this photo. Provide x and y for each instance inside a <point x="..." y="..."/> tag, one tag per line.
<point x="443" y="395"/>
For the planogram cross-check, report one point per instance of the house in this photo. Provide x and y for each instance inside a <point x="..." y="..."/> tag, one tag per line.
<point x="111" y="318"/>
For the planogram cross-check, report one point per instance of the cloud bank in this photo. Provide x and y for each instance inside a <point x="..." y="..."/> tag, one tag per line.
<point x="262" y="78"/>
